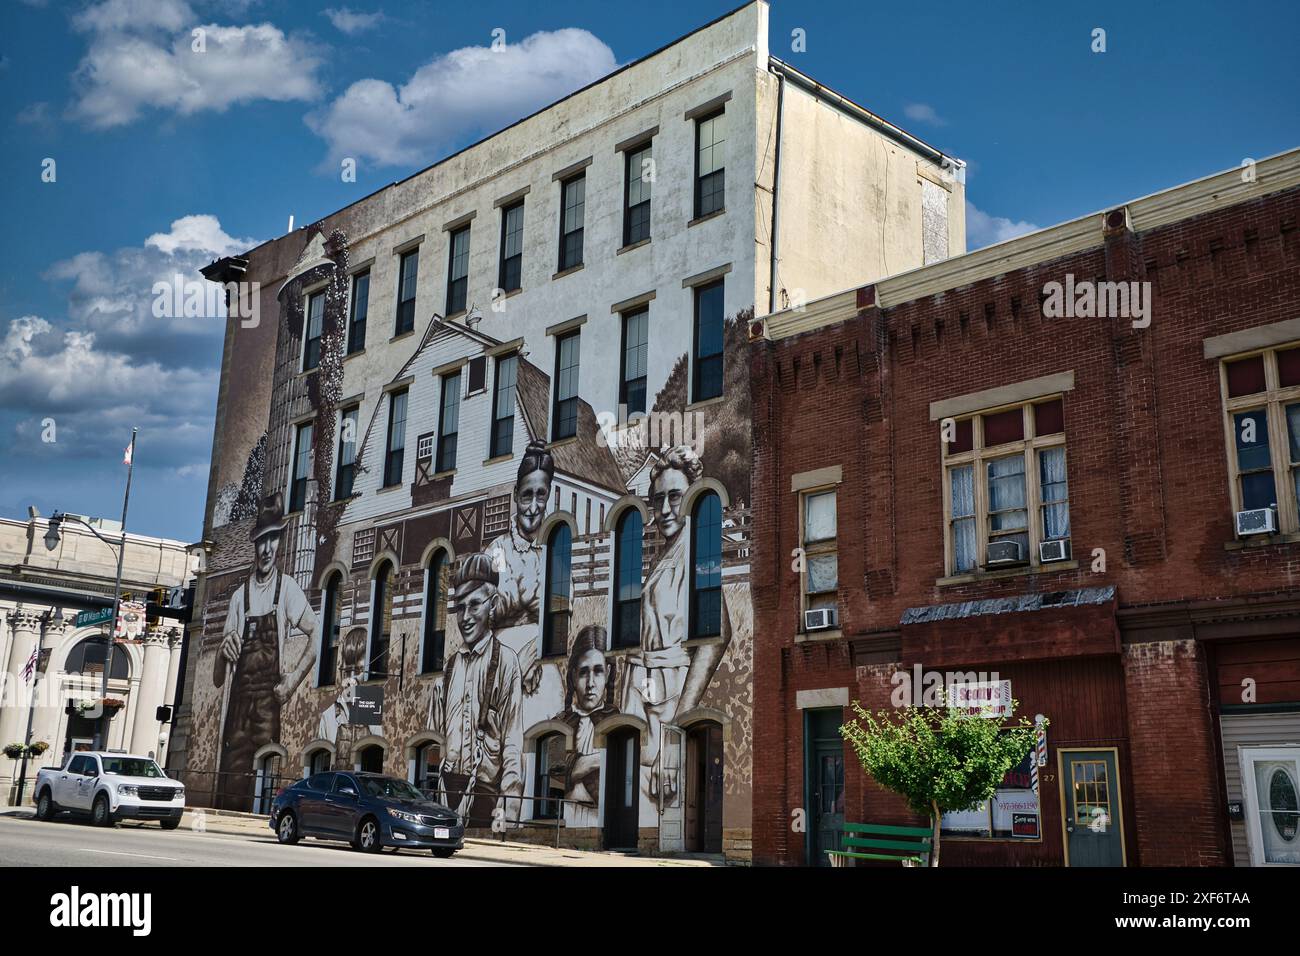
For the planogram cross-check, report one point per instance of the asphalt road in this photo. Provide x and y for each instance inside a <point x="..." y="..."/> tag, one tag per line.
<point x="69" y="842"/>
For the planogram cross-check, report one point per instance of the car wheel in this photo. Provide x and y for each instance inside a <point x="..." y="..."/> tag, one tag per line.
<point x="101" y="816"/>
<point x="45" y="808"/>
<point x="443" y="853"/>
<point x="368" y="836"/>
<point x="286" y="830"/>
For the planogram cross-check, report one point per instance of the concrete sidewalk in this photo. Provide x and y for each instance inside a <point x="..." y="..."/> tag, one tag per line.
<point x="254" y="826"/>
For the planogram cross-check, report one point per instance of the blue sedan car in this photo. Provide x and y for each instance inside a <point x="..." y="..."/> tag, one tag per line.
<point x="368" y="810"/>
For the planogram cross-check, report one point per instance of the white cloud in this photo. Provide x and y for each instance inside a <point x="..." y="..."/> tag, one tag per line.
<point x="199" y="234"/>
<point x="141" y="56"/>
<point x="985" y="230"/>
<point x="466" y="91"/>
<point x="37" y="114"/>
<point x="351" y="22"/>
<point x="923" y="113"/>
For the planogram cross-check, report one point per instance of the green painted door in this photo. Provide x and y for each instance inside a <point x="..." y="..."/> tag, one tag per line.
<point x="823" y="782"/>
<point x="1094" y="831"/>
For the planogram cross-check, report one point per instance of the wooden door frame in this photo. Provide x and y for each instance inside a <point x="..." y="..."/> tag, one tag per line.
<point x="1119" y="798"/>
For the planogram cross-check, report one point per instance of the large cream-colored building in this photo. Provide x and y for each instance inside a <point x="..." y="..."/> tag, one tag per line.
<point x="41" y="593"/>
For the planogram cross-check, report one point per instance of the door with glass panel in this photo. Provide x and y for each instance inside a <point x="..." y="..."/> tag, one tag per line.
<point x="1270" y="781"/>
<point x="1090" y="802"/>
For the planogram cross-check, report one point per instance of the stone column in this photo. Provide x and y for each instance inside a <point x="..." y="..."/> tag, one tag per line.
<point x="153" y="681"/>
<point x="175" y="636"/>
<point x="26" y="634"/>
<point x="49" y="704"/>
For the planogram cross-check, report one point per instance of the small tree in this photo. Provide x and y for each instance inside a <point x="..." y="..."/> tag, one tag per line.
<point x="939" y="759"/>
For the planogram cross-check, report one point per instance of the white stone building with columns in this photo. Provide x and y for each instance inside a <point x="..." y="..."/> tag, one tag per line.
<point x="41" y="593"/>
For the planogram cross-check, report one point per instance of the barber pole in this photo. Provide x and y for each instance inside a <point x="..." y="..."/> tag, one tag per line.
<point x="1040" y="748"/>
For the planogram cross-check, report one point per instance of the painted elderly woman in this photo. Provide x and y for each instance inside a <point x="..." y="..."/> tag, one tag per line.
<point x="518" y="560"/>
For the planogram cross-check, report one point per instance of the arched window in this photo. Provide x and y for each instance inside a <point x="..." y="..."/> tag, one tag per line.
<point x="435" y="613"/>
<point x="555" y="624"/>
<point x="428" y="760"/>
<point x="548" y="781"/>
<point x="329" y="638"/>
<point x="627" y="579"/>
<point x="381" y="621"/>
<point x="706" y="567"/>
<point x="318" y="761"/>
<point x="371" y="759"/>
<point x="87" y="657"/>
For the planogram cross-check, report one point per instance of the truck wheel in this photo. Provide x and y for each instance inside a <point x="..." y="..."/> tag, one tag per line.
<point x="101" y="815"/>
<point x="286" y="830"/>
<point x="45" y="808"/>
<point x="171" y="824"/>
<point x="368" y="840"/>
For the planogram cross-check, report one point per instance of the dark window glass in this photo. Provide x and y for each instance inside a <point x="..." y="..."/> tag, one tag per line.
<point x="458" y="271"/>
<point x="1288" y="368"/>
<point x="1049" y="418"/>
<point x="393" y="460"/>
<point x="408" y="274"/>
<point x="448" y="423"/>
<point x="1246" y="377"/>
<point x="963" y="437"/>
<point x="360" y="307"/>
<point x="301" y="468"/>
<point x="710" y="171"/>
<point x="381" y="621"/>
<point x="346" y="472"/>
<point x="638" y="172"/>
<point x="503" y="407"/>
<point x="565" y="413"/>
<point x="632" y="381"/>
<point x="319" y="761"/>
<point x="627" y="579"/>
<point x="329" y="641"/>
<point x="573" y="202"/>
<point x="315" y="326"/>
<point x="477" y="375"/>
<point x="428" y="766"/>
<point x="435" y="614"/>
<point x="706" y="567"/>
<point x="548" y="784"/>
<point x="1254" y="459"/>
<point x="1003" y="427"/>
<point x="555" y="624"/>
<point x="320" y="782"/>
<point x="708" y="341"/>
<point x="512" y="248"/>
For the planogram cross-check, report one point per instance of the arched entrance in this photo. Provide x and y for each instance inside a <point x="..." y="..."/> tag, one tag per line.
<point x="704" y="787"/>
<point x="622" y="788"/>
<point x="269" y="779"/>
<point x="371" y="759"/>
<point x="86" y="660"/>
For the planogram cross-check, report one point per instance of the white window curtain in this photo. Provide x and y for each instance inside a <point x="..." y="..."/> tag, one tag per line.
<point x="1056" y="509"/>
<point x="819" y="518"/>
<point x="963" y="517"/>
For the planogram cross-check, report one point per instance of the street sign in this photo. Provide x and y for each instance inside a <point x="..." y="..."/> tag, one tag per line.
<point x="101" y="615"/>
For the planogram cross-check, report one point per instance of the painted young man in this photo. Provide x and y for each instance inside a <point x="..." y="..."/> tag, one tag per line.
<point x="264" y="611"/>
<point x="478" y="711"/>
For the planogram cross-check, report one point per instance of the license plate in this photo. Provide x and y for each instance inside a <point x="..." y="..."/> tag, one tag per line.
<point x="441" y="833"/>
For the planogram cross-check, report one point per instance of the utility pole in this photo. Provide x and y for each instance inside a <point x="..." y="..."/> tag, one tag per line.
<point x="101" y="736"/>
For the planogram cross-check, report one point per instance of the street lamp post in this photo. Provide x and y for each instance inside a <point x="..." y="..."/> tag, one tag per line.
<point x="52" y="542"/>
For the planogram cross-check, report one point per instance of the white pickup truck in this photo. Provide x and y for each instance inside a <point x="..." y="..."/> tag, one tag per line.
<point x="110" y="787"/>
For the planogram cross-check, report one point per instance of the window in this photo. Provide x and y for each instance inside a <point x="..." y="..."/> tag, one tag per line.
<point x="1262" y="402"/>
<point x="381" y="621"/>
<point x="448" y="423"/>
<point x="458" y="270"/>
<point x="301" y="468"/>
<point x="428" y="761"/>
<point x="573" y="201"/>
<point x="1013" y="810"/>
<point x="638" y="176"/>
<point x="632" y="377"/>
<point x="555" y="623"/>
<point x="1005" y="481"/>
<point x="708" y="341"/>
<point x="710" y="167"/>
<point x="360" y="306"/>
<point x="821" y="561"/>
<point x="435" y="613"/>
<point x="565" y="412"/>
<point x="318" y="762"/>
<point x="345" y="471"/>
<point x="407" y="272"/>
<point x="393" y="459"/>
<point x="503" y="407"/>
<point x="510" y="275"/>
<point x="627" y="579"/>
<point x="329" y="639"/>
<point x="706" y="567"/>
<point x="548" y="783"/>
<point x="315" y="326"/>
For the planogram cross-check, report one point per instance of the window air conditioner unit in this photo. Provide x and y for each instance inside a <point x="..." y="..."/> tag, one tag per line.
<point x="820" y="619"/>
<point x="1256" y="521"/>
<point x="1049" y="551"/>
<point x="1004" y="552"/>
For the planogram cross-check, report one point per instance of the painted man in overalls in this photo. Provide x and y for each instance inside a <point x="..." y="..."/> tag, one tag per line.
<point x="478" y="712"/>
<point x="263" y="610"/>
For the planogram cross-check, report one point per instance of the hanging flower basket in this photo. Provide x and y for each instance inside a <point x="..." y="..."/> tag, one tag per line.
<point x="18" y="751"/>
<point x="38" y="748"/>
<point x="14" y="751"/>
<point x="113" y="703"/>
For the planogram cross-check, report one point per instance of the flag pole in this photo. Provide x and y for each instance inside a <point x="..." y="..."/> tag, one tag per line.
<point x="101" y="741"/>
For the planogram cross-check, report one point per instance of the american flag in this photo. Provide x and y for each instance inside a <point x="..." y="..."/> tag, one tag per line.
<point x="126" y="455"/>
<point x="30" y="667"/>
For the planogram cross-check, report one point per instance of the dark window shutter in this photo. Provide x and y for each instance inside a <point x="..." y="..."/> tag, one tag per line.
<point x="477" y="374"/>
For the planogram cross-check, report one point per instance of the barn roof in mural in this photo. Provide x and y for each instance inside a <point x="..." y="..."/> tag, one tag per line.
<point x="587" y="458"/>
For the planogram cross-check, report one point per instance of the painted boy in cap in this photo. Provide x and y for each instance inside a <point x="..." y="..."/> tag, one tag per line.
<point x="263" y="612"/>
<point x="478" y="711"/>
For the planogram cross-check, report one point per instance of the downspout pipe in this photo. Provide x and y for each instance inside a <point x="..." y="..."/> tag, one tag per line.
<point x="776" y="192"/>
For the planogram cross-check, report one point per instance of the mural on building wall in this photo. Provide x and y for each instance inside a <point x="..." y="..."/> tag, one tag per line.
<point x="527" y="650"/>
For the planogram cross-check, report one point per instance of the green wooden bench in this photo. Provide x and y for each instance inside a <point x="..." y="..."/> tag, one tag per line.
<point x="909" y="845"/>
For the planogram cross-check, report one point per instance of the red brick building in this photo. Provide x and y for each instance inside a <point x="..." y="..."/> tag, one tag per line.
<point x="965" y="478"/>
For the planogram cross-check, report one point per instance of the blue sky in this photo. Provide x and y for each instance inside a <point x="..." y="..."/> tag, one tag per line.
<point x="164" y="160"/>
